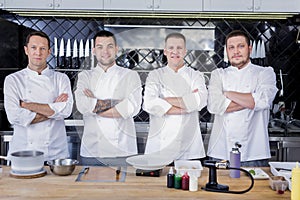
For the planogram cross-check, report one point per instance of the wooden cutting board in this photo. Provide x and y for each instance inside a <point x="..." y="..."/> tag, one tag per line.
<point x="102" y="174"/>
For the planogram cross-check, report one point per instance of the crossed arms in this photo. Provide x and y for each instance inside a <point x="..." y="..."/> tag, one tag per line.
<point x="105" y="107"/>
<point x="43" y="111"/>
<point x="239" y="101"/>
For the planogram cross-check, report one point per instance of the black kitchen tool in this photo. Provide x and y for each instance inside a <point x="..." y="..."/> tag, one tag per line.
<point x="214" y="186"/>
<point x="151" y="173"/>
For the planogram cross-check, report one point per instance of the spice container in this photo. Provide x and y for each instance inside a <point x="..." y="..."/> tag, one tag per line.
<point x="278" y="183"/>
<point x="185" y="179"/>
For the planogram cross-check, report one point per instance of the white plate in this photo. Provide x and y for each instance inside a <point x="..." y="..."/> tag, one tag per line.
<point x="259" y="173"/>
<point x="149" y="161"/>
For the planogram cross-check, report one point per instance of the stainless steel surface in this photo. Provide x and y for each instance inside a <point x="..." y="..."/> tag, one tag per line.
<point x="62" y="167"/>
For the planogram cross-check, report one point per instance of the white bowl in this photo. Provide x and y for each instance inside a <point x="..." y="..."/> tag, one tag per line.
<point x="149" y="161"/>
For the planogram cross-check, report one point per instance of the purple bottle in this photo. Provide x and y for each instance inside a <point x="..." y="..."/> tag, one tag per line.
<point x="235" y="161"/>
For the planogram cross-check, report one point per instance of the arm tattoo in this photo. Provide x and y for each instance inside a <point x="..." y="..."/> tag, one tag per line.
<point x="104" y="105"/>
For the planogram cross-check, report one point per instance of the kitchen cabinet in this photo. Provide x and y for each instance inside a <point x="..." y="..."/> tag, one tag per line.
<point x="228" y="5"/>
<point x="251" y="6"/>
<point x="128" y="5"/>
<point x="54" y="4"/>
<point x="78" y="5"/>
<point x="154" y="5"/>
<point x="276" y="6"/>
<point x="176" y="5"/>
<point x="29" y="4"/>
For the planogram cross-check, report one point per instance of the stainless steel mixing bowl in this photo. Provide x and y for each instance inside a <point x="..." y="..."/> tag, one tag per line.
<point x="62" y="167"/>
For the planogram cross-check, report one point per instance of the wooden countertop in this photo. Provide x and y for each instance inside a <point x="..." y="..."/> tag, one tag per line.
<point x="134" y="187"/>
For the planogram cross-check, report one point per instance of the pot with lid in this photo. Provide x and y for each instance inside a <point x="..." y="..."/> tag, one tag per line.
<point x="28" y="161"/>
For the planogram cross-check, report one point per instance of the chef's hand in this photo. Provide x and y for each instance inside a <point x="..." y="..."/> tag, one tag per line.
<point x="88" y="93"/>
<point x="62" y="98"/>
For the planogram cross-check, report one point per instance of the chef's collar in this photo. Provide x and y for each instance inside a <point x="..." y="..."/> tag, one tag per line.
<point x="99" y="68"/>
<point x="182" y="69"/>
<point x="244" y="68"/>
<point x="46" y="71"/>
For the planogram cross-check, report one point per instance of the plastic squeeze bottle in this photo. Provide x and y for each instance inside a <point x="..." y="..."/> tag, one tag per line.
<point x="295" y="194"/>
<point x="170" y="178"/>
<point x="177" y="181"/>
<point x="193" y="184"/>
<point x="185" y="181"/>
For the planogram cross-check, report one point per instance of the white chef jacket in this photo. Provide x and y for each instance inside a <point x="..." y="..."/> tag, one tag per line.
<point x="48" y="136"/>
<point x="109" y="137"/>
<point x="177" y="136"/>
<point x="248" y="127"/>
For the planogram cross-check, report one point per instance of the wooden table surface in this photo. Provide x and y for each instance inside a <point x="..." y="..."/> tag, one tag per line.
<point x="134" y="187"/>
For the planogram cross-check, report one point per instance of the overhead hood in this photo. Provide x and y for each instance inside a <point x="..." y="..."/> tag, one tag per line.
<point x="135" y="14"/>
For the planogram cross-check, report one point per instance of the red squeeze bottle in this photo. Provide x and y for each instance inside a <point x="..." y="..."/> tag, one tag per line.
<point x="185" y="181"/>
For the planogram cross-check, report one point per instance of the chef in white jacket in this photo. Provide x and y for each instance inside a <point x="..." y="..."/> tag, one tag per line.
<point x="173" y="97"/>
<point x="36" y="100"/>
<point x="108" y="96"/>
<point x="240" y="98"/>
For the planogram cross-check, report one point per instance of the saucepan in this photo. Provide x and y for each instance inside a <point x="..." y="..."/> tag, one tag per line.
<point x="26" y="161"/>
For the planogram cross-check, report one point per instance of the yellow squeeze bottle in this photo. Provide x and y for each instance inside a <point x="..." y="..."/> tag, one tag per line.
<point x="295" y="194"/>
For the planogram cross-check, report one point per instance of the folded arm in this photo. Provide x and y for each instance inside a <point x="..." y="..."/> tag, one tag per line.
<point x="239" y="101"/>
<point x="43" y="111"/>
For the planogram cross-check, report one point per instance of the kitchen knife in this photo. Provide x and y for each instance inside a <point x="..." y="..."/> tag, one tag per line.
<point x="82" y="172"/>
<point x="61" y="54"/>
<point x="81" y="54"/>
<point x="92" y="54"/>
<point x="87" y="62"/>
<point x="68" y="63"/>
<point x="281" y="82"/>
<point x="258" y="52"/>
<point x="253" y="52"/>
<point x="263" y="53"/>
<point x="75" y="61"/>
<point x="55" y="52"/>
<point x="55" y="47"/>
<point x="225" y="55"/>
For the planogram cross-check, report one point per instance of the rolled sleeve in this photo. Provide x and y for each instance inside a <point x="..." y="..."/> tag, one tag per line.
<point x="125" y="108"/>
<point x="131" y="105"/>
<point x="63" y="109"/>
<point x="195" y="101"/>
<point x="153" y="104"/>
<point x="265" y="93"/>
<point x="15" y="114"/>
<point x="217" y="102"/>
<point x="191" y="101"/>
<point x="84" y="104"/>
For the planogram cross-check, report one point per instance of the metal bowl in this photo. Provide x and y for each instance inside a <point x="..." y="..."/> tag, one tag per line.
<point x="62" y="167"/>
